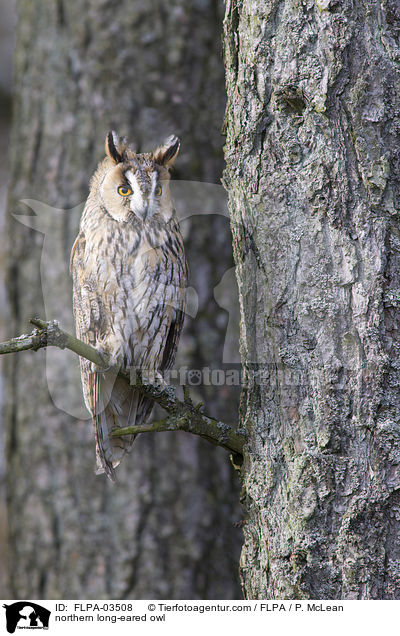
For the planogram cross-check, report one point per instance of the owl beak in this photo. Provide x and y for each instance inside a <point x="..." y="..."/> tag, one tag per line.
<point x="141" y="208"/>
<point x="145" y="212"/>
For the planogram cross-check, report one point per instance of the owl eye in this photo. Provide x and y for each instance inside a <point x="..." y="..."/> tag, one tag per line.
<point x="124" y="190"/>
<point x="158" y="191"/>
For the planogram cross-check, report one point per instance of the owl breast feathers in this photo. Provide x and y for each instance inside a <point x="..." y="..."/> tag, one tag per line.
<point x="129" y="279"/>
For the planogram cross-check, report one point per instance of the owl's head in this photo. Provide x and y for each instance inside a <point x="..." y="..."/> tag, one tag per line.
<point x="131" y="183"/>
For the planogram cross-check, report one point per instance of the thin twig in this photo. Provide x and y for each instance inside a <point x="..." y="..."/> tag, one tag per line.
<point x="182" y="416"/>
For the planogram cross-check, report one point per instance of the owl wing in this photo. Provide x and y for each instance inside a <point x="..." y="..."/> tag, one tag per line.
<point x="179" y="281"/>
<point x="110" y="400"/>
<point x="171" y="343"/>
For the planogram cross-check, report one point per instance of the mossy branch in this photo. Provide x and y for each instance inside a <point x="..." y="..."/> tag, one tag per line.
<point x="182" y="416"/>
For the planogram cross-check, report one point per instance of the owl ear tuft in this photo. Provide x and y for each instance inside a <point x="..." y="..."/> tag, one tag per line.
<point x="112" y="146"/>
<point x="166" y="154"/>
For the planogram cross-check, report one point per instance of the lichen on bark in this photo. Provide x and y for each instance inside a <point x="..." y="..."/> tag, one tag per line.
<point x="313" y="180"/>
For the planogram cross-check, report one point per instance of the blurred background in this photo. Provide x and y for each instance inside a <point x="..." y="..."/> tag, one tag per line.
<point x="169" y="527"/>
<point x="7" y="42"/>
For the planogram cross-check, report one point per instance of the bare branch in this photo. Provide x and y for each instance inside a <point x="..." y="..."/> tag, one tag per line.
<point x="182" y="416"/>
<point x="191" y="421"/>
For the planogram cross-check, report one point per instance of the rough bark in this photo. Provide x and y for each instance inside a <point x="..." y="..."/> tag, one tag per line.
<point x="312" y="156"/>
<point x="165" y="530"/>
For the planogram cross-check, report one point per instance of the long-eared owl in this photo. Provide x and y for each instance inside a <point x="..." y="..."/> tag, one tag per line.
<point x="129" y="279"/>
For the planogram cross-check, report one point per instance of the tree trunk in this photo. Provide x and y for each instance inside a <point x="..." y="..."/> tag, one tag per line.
<point x="7" y="32"/>
<point x="313" y="178"/>
<point x="165" y="530"/>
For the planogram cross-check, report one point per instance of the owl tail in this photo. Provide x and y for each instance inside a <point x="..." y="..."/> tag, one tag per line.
<point x="117" y="406"/>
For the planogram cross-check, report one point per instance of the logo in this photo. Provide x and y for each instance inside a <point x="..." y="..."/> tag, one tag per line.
<point x="26" y="615"/>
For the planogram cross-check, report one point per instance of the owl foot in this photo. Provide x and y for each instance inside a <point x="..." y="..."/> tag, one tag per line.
<point x="103" y="369"/>
<point x="105" y="356"/>
<point x="152" y="377"/>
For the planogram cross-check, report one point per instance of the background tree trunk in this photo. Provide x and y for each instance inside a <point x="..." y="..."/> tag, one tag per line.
<point x="165" y="530"/>
<point x="313" y="175"/>
<point x="7" y="33"/>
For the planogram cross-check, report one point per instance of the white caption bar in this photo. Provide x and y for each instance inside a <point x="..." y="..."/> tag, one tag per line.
<point x="177" y="617"/>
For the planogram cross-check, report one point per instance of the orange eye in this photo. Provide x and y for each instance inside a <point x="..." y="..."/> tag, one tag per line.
<point x="158" y="191"/>
<point x="124" y="190"/>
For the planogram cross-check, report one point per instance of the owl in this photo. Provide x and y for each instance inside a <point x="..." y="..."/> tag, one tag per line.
<point x="129" y="278"/>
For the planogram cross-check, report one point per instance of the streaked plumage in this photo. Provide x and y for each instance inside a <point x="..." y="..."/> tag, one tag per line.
<point x="129" y="279"/>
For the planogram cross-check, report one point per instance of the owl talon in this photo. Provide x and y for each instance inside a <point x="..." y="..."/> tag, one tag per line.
<point x="106" y="361"/>
<point x="103" y="369"/>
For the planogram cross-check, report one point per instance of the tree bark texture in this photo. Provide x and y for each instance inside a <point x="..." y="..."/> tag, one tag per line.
<point x="312" y="154"/>
<point x="166" y="529"/>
